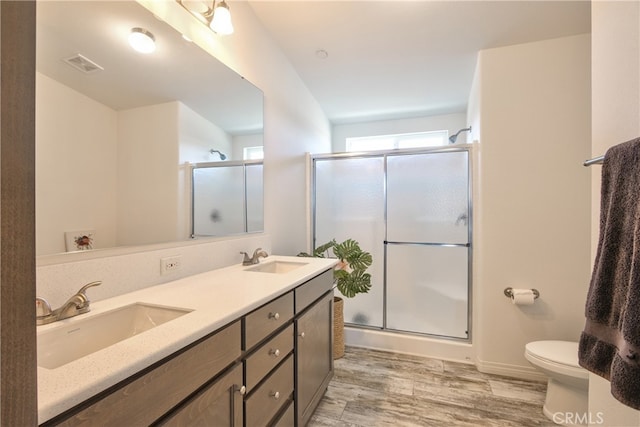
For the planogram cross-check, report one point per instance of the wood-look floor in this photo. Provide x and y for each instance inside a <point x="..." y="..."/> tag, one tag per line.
<point x="375" y="388"/>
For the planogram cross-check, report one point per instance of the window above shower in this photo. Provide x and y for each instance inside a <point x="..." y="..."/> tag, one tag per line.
<point x="253" y="153"/>
<point x="398" y="141"/>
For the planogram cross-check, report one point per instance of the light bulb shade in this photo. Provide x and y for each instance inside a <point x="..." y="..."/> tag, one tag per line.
<point x="199" y="6"/>
<point x="201" y="9"/>
<point x="221" y="22"/>
<point x="142" y="40"/>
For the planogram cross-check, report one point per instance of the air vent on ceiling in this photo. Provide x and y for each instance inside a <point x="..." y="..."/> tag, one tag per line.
<point x="83" y="64"/>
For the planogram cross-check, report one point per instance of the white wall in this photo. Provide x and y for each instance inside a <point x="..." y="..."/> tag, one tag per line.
<point x="122" y="272"/>
<point x="240" y="142"/>
<point x="198" y="136"/>
<point x="532" y="197"/>
<point x="147" y="194"/>
<point x="474" y="115"/>
<point x="450" y="122"/>
<point x="76" y="154"/>
<point x="615" y="65"/>
<point x="114" y="163"/>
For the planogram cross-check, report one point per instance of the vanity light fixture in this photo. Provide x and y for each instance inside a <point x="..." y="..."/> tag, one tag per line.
<point x="215" y="14"/>
<point x="142" y="40"/>
<point x="221" y="22"/>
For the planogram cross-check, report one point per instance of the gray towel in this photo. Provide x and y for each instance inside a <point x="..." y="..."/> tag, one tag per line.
<point x="610" y="342"/>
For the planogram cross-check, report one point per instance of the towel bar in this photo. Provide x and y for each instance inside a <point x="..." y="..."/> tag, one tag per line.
<point x="595" y="161"/>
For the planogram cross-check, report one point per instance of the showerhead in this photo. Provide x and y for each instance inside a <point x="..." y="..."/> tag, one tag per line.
<point x="222" y="156"/>
<point x="452" y="138"/>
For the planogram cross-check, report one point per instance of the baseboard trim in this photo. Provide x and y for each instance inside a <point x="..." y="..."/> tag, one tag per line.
<point x="409" y="344"/>
<point x="508" y="370"/>
<point x="437" y="349"/>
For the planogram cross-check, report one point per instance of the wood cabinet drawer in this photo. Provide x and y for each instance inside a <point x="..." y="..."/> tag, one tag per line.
<point x="287" y="418"/>
<point x="267" y="357"/>
<point x="263" y="321"/>
<point x="152" y="394"/>
<point x="313" y="289"/>
<point x="267" y="400"/>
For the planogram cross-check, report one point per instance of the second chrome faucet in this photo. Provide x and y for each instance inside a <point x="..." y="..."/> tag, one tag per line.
<point x="255" y="259"/>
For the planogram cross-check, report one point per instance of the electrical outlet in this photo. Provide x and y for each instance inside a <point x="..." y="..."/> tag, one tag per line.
<point x="170" y="264"/>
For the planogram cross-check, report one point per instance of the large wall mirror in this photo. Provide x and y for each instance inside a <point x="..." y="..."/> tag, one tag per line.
<point x="117" y="130"/>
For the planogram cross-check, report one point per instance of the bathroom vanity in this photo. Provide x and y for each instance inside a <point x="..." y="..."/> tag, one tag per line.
<point x="252" y="347"/>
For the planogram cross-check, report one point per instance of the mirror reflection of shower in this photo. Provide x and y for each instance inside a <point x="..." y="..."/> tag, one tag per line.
<point x="222" y="155"/>
<point x="454" y="137"/>
<point x="227" y="198"/>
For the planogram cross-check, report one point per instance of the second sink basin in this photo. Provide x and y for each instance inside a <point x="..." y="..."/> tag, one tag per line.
<point x="279" y="267"/>
<point x="82" y="337"/>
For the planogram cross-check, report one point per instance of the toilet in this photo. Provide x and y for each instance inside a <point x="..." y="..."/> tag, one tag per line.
<point x="568" y="385"/>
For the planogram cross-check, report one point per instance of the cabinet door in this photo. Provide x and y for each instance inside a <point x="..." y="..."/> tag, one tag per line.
<point x="314" y="356"/>
<point x="219" y="404"/>
<point x="152" y="394"/>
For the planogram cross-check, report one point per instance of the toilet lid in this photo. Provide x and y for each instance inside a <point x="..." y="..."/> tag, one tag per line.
<point x="563" y="352"/>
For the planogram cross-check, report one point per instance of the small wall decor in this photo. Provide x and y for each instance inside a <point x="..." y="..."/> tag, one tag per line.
<point x="79" y="240"/>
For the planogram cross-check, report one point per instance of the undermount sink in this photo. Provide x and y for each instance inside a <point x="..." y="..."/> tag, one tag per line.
<point x="82" y="337"/>
<point x="278" y="267"/>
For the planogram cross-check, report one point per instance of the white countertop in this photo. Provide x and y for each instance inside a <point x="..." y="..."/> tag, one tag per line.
<point x="216" y="297"/>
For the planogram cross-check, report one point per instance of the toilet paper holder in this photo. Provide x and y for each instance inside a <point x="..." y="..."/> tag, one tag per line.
<point x="509" y="293"/>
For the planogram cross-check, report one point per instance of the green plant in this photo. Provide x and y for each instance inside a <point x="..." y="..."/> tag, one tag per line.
<point x="350" y="274"/>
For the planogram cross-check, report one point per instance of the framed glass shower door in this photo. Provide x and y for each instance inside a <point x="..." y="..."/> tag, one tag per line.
<point x="226" y="198"/>
<point x="349" y="204"/>
<point x="427" y="243"/>
<point x="411" y="210"/>
<point x="218" y="201"/>
<point x="427" y="289"/>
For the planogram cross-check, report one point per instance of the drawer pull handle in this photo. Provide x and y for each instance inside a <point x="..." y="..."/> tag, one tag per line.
<point x="242" y="390"/>
<point x="274" y="316"/>
<point x="274" y="353"/>
<point x="275" y="395"/>
<point x="302" y="335"/>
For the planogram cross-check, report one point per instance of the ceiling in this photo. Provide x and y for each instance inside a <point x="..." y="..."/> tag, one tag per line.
<point x="386" y="59"/>
<point x="393" y="59"/>
<point x="98" y="30"/>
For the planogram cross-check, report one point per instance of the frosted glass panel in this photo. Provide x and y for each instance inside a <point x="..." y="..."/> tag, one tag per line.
<point x="218" y="201"/>
<point x="424" y="199"/>
<point x="427" y="289"/>
<point x="350" y="204"/>
<point x="427" y="198"/>
<point x="255" y="204"/>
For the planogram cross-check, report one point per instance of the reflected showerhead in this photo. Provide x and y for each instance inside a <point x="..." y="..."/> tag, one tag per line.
<point x="452" y="138"/>
<point x="222" y="156"/>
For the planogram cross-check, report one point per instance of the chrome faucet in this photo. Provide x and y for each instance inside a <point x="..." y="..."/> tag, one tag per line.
<point x="77" y="304"/>
<point x="255" y="259"/>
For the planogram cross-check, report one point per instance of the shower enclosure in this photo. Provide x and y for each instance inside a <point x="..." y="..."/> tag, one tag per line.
<point x="227" y="198"/>
<point x="411" y="210"/>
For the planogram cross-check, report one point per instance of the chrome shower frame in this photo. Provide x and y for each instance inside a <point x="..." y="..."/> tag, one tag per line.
<point x="221" y="164"/>
<point x="385" y="153"/>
